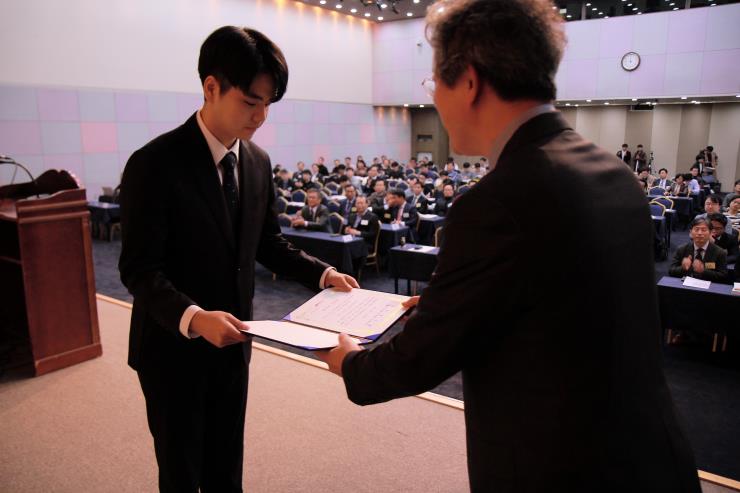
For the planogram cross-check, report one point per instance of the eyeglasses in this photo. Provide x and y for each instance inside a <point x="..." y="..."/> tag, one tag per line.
<point x="429" y="86"/>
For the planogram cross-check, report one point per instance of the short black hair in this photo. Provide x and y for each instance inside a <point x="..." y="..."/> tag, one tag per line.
<point x="397" y="192"/>
<point x="713" y="199"/>
<point x="710" y="148"/>
<point x="695" y="167"/>
<point x="737" y="182"/>
<point x="700" y="220"/>
<point x="642" y="170"/>
<point x="235" y="56"/>
<point x="662" y="169"/>
<point x="716" y="216"/>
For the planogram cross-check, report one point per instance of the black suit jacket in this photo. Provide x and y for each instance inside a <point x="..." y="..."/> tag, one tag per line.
<point x="321" y="222"/>
<point x="715" y="263"/>
<point x="179" y="247"/>
<point x="627" y="157"/>
<point x="369" y="230"/>
<point x="422" y="203"/>
<point x="442" y="206"/>
<point x="729" y="243"/>
<point x="347" y="207"/>
<point x="559" y="396"/>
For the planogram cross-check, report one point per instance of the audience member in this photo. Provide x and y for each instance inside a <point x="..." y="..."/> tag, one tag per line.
<point x="711" y="206"/>
<point x="732" y="195"/>
<point x="663" y="181"/>
<point x="314" y="216"/>
<point x="348" y="206"/>
<point x="700" y="258"/>
<point x="418" y="199"/>
<point x="401" y="212"/>
<point x="377" y="198"/>
<point x="443" y="203"/>
<point x="625" y="155"/>
<point x="679" y="187"/>
<point x="722" y="238"/>
<point x="363" y="223"/>
<point x="640" y="157"/>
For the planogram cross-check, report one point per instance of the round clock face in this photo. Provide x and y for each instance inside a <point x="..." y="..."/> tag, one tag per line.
<point x="630" y="61"/>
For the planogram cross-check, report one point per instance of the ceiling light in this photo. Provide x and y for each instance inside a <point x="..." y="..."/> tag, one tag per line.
<point x="384" y="6"/>
<point x="380" y="18"/>
<point x="606" y="103"/>
<point x="594" y="8"/>
<point x="737" y="95"/>
<point x="406" y="105"/>
<point x="367" y="14"/>
<point x="634" y="8"/>
<point x="568" y="16"/>
<point x="639" y="13"/>
<point x="409" y="14"/>
<point x="354" y="11"/>
<point x="634" y="99"/>
<point x="684" y="97"/>
<point x="601" y="13"/>
<point x="629" y="5"/>
<point x="339" y="5"/>
<point x="416" y="1"/>
<point x="588" y="5"/>
<point x="588" y="100"/>
<point x="567" y="104"/>
<point x="576" y="105"/>
<point x="322" y="2"/>
<point x="672" y="4"/>
<point x="421" y="106"/>
<point x="606" y="17"/>
<point x="675" y="8"/>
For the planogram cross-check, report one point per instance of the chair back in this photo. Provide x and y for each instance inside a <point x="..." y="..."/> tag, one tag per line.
<point x="298" y="196"/>
<point x="336" y="221"/>
<point x="333" y="206"/>
<point x="664" y="201"/>
<point x="438" y="236"/>
<point x="281" y="205"/>
<point x="332" y="187"/>
<point x="409" y="171"/>
<point x="284" y="220"/>
<point x="463" y="189"/>
<point x="657" y="209"/>
<point x="402" y="185"/>
<point x="392" y="183"/>
<point x="656" y="191"/>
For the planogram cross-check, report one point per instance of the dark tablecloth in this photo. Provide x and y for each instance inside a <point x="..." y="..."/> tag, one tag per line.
<point x="390" y="237"/>
<point x="427" y="227"/>
<point x="406" y="262"/>
<point x="333" y="250"/>
<point x="683" y="307"/>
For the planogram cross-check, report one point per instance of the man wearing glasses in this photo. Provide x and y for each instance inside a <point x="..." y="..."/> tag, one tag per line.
<point x="562" y="376"/>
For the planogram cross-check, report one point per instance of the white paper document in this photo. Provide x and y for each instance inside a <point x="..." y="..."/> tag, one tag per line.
<point x="696" y="283"/>
<point x="736" y="288"/>
<point x="361" y="313"/>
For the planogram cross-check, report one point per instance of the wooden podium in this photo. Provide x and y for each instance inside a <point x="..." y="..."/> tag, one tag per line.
<point x="47" y="287"/>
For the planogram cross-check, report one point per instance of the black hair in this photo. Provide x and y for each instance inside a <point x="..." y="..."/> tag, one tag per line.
<point x="713" y="199"/>
<point x="710" y="148"/>
<point x="695" y="167"/>
<point x="642" y="170"/>
<point x="663" y="169"/>
<point x="716" y="216"/>
<point x="235" y="56"/>
<point x="397" y="192"/>
<point x="466" y="165"/>
<point x="700" y="220"/>
<point x="737" y="182"/>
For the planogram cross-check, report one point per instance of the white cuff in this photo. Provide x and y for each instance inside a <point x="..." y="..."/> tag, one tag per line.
<point x="323" y="277"/>
<point x="187" y="316"/>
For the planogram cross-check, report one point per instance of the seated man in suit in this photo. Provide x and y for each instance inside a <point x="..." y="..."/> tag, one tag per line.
<point x="700" y="258"/>
<point x="732" y="195"/>
<point x="377" y="198"/>
<point x="348" y="206"/>
<point x="401" y="212"/>
<point x="445" y="201"/>
<point x="663" y="181"/>
<point x="363" y="223"/>
<point x="679" y="187"/>
<point x="417" y="198"/>
<point x="314" y="216"/>
<point x="298" y="175"/>
<point x="283" y="180"/>
<point x="727" y="240"/>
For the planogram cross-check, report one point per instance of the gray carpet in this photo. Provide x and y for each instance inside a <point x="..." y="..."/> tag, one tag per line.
<point x="705" y="386"/>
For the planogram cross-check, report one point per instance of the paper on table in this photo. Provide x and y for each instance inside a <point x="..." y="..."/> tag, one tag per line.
<point x="736" y="288"/>
<point x="294" y="334"/>
<point x="359" y="312"/>
<point x="696" y="283"/>
<point x="428" y="216"/>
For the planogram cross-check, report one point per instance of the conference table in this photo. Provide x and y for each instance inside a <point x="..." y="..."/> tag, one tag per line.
<point x="683" y="307"/>
<point x="339" y="251"/>
<point x="390" y="236"/>
<point x="103" y="215"/>
<point x="684" y="207"/>
<point x="413" y="263"/>
<point x="428" y="224"/>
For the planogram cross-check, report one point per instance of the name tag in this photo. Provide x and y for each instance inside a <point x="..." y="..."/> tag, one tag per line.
<point x="354" y="209"/>
<point x="387" y="216"/>
<point x="364" y="222"/>
<point x="418" y="205"/>
<point x="405" y="214"/>
<point x="710" y="265"/>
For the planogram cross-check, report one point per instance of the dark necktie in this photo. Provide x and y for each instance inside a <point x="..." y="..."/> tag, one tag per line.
<point x="700" y="254"/>
<point x="231" y="192"/>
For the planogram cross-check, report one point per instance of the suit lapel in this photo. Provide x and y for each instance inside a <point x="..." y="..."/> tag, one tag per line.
<point x="206" y="181"/>
<point x="249" y="183"/>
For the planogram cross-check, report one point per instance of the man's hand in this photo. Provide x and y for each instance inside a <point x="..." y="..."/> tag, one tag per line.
<point x="343" y="282"/>
<point x="219" y="328"/>
<point x="411" y="302"/>
<point x="352" y="231"/>
<point x="698" y="266"/>
<point x="298" y="222"/>
<point x="335" y="357"/>
<point x="686" y="263"/>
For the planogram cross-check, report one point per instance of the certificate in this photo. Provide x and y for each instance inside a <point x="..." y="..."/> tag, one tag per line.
<point x="362" y="314"/>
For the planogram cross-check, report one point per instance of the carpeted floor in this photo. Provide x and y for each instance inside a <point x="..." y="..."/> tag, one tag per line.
<point x="705" y="386"/>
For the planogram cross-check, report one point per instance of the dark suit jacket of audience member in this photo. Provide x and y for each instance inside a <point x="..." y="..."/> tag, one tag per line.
<point x="558" y="396"/>
<point x="318" y="223"/>
<point x="368" y="226"/>
<point x="715" y="263"/>
<point x="729" y="243"/>
<point x="442" y="206"/>
<point x="627" y="157"/>
<point x="347" y="207"/>
<point x="667" y="186"/>
<point x="421" y="203"/>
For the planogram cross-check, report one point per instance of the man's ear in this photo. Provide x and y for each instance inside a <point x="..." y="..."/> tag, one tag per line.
<point x="211" y="88"/>
<point x="472" y="84"/>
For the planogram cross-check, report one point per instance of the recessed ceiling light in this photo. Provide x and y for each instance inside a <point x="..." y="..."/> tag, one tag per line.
<point x="737" y="95"/>
<point x="354" y="11"/>
<point x="567" y="104"/>
<point x="380" y="18"/>
<point x="606" y="17"/>
<point x="406" y="105"/>
<point x="576" y="105"/>
<point x="384" y="6"/>
<point x="594" y="8"/>
<point x="634" y="8"/>
<point x="639" y="13"/>
<point x="675" y="8"/>
<point x="568" y="16"/>
<point x="339" y="5"/>
<point x="588" y="5"/>
<point x="416" y="1"/>
<point x="588" y="100"/>
<point x="634" y="99"/>
<point x="684" y="97"/>
<point x="322" y="2"/>
<point x="367" y="14"/>
<point x="421" y="106"/>
<point x="672" y="4"/>
<point x="409" y="14"/>
<point x="601" y="13"/>
<point x="606" y="103"/>
<point x="629" y="5"/>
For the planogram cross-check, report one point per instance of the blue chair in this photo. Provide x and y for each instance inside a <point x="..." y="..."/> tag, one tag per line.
<point x="664" y="201"/>
<point x="333" y="206"/>
<point x="332" y="187"/>
<point x="298" y="196"/>
<point x="281" y="205"/>
<point x="284" y="220"/>
<point x="336" y="222"/>
<point x="409" y="171"/>
<point x="656" y="191"/>
<point x="657" y="209"/>
<point x="402" y="186"/>
<point x="463" y="189"/>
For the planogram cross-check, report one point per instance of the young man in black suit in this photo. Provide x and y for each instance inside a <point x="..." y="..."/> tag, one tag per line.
<point x="417" y="198"/>
<point x="401" y="212"/>
<point x="625" y="155"/>
<point x="363" y="223"/>
<point x="700" y="258"/>
<point x="196" y="213"/>
<point x="562" y="378"/>
<point x="348" y="206"/>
